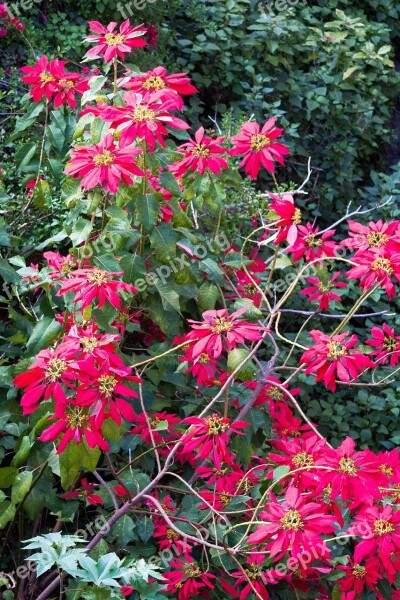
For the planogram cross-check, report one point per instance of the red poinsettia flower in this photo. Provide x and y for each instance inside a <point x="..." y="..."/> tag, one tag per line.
<point x="219" y="330"/>
<point x="209" y="438"/>
<point x="104" y="164"/>
<point x="88" y="341"/>
<point x="142" y="117"/>
<point x="285" y="424"/>
<point x="254" y="572"/>
<point x="45" y="378"/>
<point x="85" y="492"/>
<point x="111" y="42"/>
<point x="168" y="538"/>
<point x="289" y="218"/>
<point x="387" y="345"/>
<point x="200" y="154"/>
<point x="203" y="367"/>
<point x="245" y="286"/>
<point x="321" y="291"/>
<point x="377" y="267"/>
<point x="298" y="454"/>
<point x="294" y="525"/>
<point x="310" y="245"/>
<point x="42" y="77"/>
<point x="188" y="580"/>
<point x="91" y="284"/>
<point x="373" y="235"/>
<point x="380" y="529"/>
<point x="74" y="422"/>
<point x="259" y="147"/>
<point x="357" y="577"/>
<point x="173" y="86"/>
<point x="60" y="266"/>
<point x="162" y="426"/>
<point x="354" y="476"/>
<point x="68" y="85"/>
<point x="126" y="590"/>
<point x="103" y="388"/>
<point x="333" y="358"/>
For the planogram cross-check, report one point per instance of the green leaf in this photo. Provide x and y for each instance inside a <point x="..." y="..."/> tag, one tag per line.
<point x="7" y="272"/>
<point x="208" y="296"/>
<point x="81" y="231"/>
<point x="235" y="359"/>
<point x="163" y="239"/>
<point x="280" y="472"/>
<point x="145" y="528"/>
<point x="74" y="458"/>
<point x="7" y="476"/>
<point x="95" y="85"/>
<point x="23" y="451"/>
<point x="169" y="297"/>
<point x="169" y="182"/>
<point x="21" y="486"/>
<point x="133" y="267"/>
<point x="214" y="272"/>
<point x="7" y="513"/>
<point x="147" y="208"/>
<point x="24" y="155"/>
<point x="43" y="335"/>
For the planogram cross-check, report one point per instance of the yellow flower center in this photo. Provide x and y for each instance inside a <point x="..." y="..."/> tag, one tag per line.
<point x="221" y="325"/>
<point x="154" y="82"/>
<point x="386" y="470"/>
<point x="377" y="239"/>
<point x="114" y="39"/>
<point x="359" y="571"/>
<point x="191" y="571"/>
<point x="77" y="417"/>
<point x="311" y="242"/>
<point x="325" y="288"/>
<point x="55" y="369"/>
<point x="225" y="498"/>
<point x="250" y="289"/>
<point x="204" y="359"/>
<point x="274" y="393"/>
<point x="46" y="77"/>
<point x="297" y="216"/>
<point x="89" y="343"/>
<point x="390" y="344"/>
<point x="98" y="277"/>
<point x="382" y="264"/>
<point x="258" y="142"/>
<point x="106" y="158"/>
<point x="336" y="350"/>
<point x="172" y="535"/>
<point x="292" y="520"/>
<point x="107" y="385"/>
<point x="216" y="425"/>
<point x="66" y="267"/>
<point x="154" y="423"/>
<point x="67" y="82"/>
<point x="382" y="527"/>
<point x="253" y="572"/>
<point x="142" y="113"/>
<point x="303" y="460"/>
<point x="347" y="465"/>
<point x="200" y="151"/>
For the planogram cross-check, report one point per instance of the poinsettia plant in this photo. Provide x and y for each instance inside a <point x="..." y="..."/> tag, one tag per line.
<point x="160" y="383"/>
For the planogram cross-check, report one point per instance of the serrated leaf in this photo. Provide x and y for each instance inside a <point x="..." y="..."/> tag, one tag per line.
<point x="145" y="528"/>
<point x="214" y="272"/>
<point x="147" y="209"/>
<point x="169" y="297"/>
<point x="163" y="239"/>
